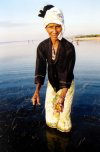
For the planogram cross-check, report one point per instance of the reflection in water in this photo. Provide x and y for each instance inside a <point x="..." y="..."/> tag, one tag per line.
<point x="57" y="141"/>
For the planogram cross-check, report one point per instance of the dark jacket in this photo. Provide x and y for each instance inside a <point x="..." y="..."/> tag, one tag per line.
<point x="60" y="71"/>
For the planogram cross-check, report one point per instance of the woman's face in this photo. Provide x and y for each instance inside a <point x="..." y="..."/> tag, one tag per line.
<point x="53" y="30"/>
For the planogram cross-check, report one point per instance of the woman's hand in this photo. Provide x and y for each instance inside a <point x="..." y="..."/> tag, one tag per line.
<point x="59" y="105"/>
<point x="36" y="98"/>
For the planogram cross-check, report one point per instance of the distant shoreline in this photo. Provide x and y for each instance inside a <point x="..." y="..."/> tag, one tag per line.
<point x="86" y="38"/>
<point x="75" y="38"/>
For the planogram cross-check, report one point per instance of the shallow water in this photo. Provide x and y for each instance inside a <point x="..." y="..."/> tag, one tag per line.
<point x="24" y="125"/>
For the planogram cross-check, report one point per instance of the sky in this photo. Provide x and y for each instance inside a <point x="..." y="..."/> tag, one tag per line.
<point x="19" y="18"/>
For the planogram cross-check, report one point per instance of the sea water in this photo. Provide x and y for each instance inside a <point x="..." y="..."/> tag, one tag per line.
<point x="17" y="67"/>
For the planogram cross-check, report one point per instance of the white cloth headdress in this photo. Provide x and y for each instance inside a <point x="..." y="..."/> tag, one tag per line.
<point x="54" y="15"/>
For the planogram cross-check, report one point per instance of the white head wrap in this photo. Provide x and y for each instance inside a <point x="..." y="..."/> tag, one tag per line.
<point x="54" y="15"/>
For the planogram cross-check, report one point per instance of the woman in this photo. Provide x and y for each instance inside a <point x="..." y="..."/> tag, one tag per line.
<point x="59" y="55"/>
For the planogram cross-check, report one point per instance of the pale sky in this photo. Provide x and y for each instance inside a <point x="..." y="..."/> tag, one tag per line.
<point x="19" y="18"/>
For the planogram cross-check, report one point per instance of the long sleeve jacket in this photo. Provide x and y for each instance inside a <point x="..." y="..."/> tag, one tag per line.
<point x="60" y="71"/>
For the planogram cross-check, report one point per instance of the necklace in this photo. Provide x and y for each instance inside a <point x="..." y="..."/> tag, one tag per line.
<point x="54" y="53"/>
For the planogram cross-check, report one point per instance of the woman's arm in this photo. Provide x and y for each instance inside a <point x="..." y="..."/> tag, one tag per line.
<point x="66" y="77"/>
<point x="36" y="96"/>
<point x="59" y="104"/>
<point x="40" y="72"/>
<point x="40" y="67"/>
<point x="63" y="92"/>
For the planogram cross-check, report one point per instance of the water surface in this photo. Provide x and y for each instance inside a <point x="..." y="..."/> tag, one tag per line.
<point x="24" y="125"/>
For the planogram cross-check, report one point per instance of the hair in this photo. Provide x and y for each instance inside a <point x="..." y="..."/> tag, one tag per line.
<point x="43" y="12"/>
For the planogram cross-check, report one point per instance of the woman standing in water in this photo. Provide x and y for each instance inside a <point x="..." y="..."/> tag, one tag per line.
<point x="59" y="55"/>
